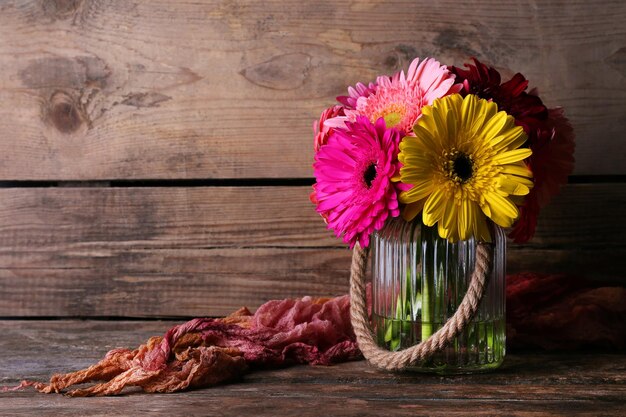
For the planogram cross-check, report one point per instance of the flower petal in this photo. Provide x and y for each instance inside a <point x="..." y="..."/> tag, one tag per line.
<point x="503" y="211"/>
<point x="434" y="207"/>
<point x="509" y="157"/>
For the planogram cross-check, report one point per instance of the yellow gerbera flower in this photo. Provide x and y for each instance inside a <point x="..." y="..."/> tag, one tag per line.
<point x="464" y="164"/>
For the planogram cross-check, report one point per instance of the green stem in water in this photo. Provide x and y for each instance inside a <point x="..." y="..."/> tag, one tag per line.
<point x="427" y="284"/>
<point x="427" y="326"/>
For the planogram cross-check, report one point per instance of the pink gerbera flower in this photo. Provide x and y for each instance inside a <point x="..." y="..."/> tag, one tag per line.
<point x="353" y="174"/>
<point x="399" y="99"/>
<point x="354" y="93"/>
<point x="322" y="132"/>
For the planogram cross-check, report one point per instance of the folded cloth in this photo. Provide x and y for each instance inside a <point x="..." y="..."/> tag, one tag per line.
<point x="547" y="311"/>
<point x="206" y="351"/>
<point x="564" y="312"/>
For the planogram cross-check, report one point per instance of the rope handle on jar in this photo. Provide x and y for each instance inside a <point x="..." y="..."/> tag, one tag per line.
<point x="394" y="361"/>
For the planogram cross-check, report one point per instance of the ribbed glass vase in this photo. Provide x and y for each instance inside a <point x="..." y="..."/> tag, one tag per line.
<point x="418" y="281"/>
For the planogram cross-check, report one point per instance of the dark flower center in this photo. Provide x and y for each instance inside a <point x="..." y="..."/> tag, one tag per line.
<point x="369" y="175"/>
<point x="463" y="167"/>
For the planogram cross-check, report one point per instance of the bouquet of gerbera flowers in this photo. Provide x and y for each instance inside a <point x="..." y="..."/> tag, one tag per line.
<point x="456" y="146"/>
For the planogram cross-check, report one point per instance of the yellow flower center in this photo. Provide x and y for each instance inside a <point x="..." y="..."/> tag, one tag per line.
<point x="392" y="114"/>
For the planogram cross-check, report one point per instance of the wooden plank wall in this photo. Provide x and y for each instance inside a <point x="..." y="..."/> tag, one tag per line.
<point x="155" y="156"/>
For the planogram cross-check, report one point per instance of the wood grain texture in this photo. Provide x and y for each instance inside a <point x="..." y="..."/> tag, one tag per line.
<point x="98" y="90"/>
<point x="209" y="250"/>
<point x="528" y="384"/>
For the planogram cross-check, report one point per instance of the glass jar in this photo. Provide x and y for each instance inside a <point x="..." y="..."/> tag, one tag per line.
<point x="419" y="279"/>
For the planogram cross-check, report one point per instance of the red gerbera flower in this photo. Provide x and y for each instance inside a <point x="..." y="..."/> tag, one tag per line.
<point x="550" y="136"/>
<point x="511" y="96"/>
<point x="552" y="162"/>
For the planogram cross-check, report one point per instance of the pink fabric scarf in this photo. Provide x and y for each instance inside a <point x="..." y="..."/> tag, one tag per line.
<point x="546" y="311"/>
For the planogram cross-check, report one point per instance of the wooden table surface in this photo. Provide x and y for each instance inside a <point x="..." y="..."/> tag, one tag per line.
<point x="530" y="383"/>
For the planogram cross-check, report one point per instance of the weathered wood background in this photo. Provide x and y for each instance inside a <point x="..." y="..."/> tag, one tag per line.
<point x="155" y="156"/>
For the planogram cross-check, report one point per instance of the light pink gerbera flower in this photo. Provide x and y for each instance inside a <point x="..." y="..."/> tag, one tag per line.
<point x="353" y="173"/>
<point x="399" y="99"/>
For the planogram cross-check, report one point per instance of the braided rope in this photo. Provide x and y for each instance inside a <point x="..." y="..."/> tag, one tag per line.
<point x="399" y="360"/>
